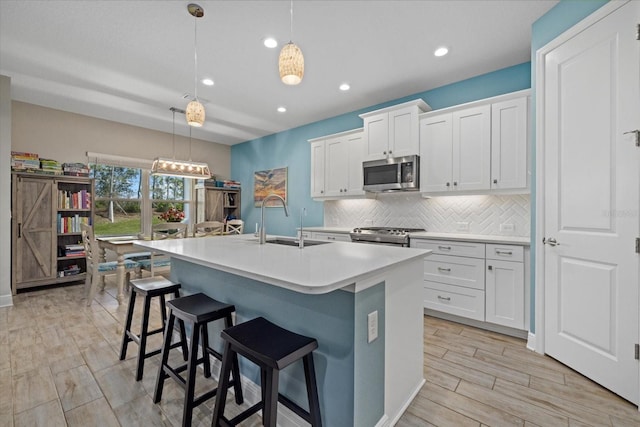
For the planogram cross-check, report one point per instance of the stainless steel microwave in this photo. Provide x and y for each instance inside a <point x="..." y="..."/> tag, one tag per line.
<point x="392" y="174"/>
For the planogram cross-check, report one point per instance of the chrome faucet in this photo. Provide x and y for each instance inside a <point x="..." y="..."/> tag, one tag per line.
<point x="263" y="231"/>
<point x="303" y="212"/>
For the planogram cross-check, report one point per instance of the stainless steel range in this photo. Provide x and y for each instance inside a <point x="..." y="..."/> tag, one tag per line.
<point x="383" y="235"/>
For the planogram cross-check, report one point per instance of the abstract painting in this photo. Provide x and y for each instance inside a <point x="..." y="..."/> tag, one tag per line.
<point x="271" y="181"/>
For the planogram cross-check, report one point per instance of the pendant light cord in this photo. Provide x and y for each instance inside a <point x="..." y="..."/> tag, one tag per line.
<point x="291" y="22"/>
<point x="195" y="57"/>
<point x="174" y="133"/>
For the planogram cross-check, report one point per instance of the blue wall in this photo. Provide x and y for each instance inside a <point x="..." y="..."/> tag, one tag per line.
<point x="291" y="149"/>
<point x="559" y="19"/>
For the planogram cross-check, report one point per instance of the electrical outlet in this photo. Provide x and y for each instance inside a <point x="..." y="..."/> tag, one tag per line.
<point x="463" y="226"/>
<point x="507" y="227"/>
<point x="372" y="326"/>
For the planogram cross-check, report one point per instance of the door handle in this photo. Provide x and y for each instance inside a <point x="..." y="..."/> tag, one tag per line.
<point x="550" y="241"/>
<point x="636" y="133"/>
<point x="19" y="230"/>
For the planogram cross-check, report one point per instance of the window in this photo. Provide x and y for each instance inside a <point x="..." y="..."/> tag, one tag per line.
<point x="129" y="200"/>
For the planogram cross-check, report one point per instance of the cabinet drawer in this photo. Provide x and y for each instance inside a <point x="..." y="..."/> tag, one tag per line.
<point x="456" y="300"/>
<point x="505" y="252"/>
<point x="455" y="270"/>
<point x="444" y="247"/>
<point x="333" y="237"/>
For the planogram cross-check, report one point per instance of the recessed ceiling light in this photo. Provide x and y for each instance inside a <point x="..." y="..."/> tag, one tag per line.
<point x="207" y="82"/>
<point x="270" y="42"/>
<point x="345" y="86"/>
<point x="441" y="51"/>
<point x="282" y="110"/>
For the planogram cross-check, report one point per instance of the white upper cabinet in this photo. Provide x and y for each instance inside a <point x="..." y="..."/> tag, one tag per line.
<point x="317" y="168"/>
<point x="476" y="147"/>
<point x="336" y="165"/>
<point x="509" y="131"/>
<point x="393" y="131"/>
<point x="455" y="150"/>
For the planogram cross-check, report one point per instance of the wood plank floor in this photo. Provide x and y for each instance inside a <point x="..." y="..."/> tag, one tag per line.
<point x="59" y="367"/>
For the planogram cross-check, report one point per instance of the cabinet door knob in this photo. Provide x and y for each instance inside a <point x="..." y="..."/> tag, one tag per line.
<point x="390" y="151"/>
<point x="489" y="267"/>
<point x="447" y="184"/>
<point x="495" y="181"/>
<point x="455" y="183"/>
<point x="384" y="152"/>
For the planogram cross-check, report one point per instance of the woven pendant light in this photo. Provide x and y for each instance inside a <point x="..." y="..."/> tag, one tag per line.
<point x="195" y="113"/>
<point x="291" y="61"/>
<point x="291" y="64"/>
<point x="195" y="110"/>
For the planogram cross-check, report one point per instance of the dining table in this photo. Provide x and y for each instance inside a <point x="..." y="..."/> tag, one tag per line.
<point x="120" y="245"/>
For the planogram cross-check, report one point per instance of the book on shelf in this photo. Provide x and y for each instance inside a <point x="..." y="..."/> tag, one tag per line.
<point x="75" y="169"/>
<point x="74" y="200"/>
<point x="71" y="224"/>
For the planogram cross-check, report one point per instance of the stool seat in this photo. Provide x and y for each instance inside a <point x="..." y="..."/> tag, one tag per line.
<point x="199" y="308"/>
<point x="269" y="344"/>
<point x="149" y="288"/>
<point x="154" y="286"/>
<point x="271" y="348"/>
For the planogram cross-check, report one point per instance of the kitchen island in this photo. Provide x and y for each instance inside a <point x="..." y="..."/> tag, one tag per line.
<point x="328" y="291"/>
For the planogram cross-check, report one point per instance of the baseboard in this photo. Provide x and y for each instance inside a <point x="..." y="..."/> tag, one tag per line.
<point x="505" y="330"/>
<point x="6" y="300"/>
<point x="404" y="407"/>
<point x="531" y="341"/>
<point x="384" y="422"/>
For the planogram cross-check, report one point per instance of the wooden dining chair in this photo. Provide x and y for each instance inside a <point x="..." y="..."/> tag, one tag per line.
<point x="168" y="230"/>
<point x="235" y="226"/>
<point x="208" y="228"/>
<point x="97" y="269"/>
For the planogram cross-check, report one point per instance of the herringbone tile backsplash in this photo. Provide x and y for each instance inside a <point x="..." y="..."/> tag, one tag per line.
<point x="484" y="214"/>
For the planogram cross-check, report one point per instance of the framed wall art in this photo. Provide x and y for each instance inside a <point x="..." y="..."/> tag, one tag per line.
<point x="270" y="181"/>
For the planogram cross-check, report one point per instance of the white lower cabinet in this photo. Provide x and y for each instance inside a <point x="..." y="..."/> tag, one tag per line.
<point x="504" y="292"/>
<point x="479" y="281"/>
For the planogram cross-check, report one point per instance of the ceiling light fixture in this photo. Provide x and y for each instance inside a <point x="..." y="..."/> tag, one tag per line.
<point x="180" y="168"/>
<point x="291" y="61"/>
<point x="282" y="109"/>
<point x="270" y="42"/>
<point x="195" y="110"/>
<point x="207" y="82"/>
<point x="345" y="87"/>
<point x="441" y="51"/>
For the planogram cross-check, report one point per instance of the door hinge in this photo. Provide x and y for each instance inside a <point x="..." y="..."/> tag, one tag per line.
<point x="637" y="352"/>
<point x="638" y="245"/>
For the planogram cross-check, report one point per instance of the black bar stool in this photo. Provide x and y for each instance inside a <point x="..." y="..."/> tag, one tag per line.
<point x="272" y="348"/>
<point x="198" y="310"/>
<point x="149" y="288"/>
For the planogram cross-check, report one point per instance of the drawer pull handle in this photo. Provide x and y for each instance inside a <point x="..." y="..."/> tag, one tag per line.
<point x="444" y="269"/>
<point x="444" y="298"/>
<point x="499" y="252"/>
<point x="444" y="248"/>
<point x="331" y="238"/>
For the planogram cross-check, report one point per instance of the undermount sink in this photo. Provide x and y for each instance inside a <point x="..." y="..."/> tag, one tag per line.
<point x="292" y="242"/>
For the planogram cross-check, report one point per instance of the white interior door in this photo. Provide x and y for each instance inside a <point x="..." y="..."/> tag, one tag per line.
<point x="591" y="198"/>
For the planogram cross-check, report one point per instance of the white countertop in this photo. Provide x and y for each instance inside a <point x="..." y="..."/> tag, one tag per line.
<point x="312" y="270"/>
<point x="481" y="238"/>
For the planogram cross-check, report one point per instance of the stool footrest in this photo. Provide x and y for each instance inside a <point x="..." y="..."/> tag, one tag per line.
<point x="244" y="415"/>
<point x="294" y="407"/>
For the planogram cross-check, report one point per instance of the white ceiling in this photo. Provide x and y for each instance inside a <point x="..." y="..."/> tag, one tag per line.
<point x="129" y="61"/>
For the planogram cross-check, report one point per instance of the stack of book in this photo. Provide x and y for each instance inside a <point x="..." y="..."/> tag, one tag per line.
<point x="228" y="183"/>
<point x="50" y="167"/>
<point x="74" y="250"/>
<point x="70" y="270"/>
<point x="75" y="169"/>
<point x="24" y="162"/>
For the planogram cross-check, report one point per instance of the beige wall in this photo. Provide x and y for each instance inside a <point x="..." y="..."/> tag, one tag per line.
<point x="66" y="137"/>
